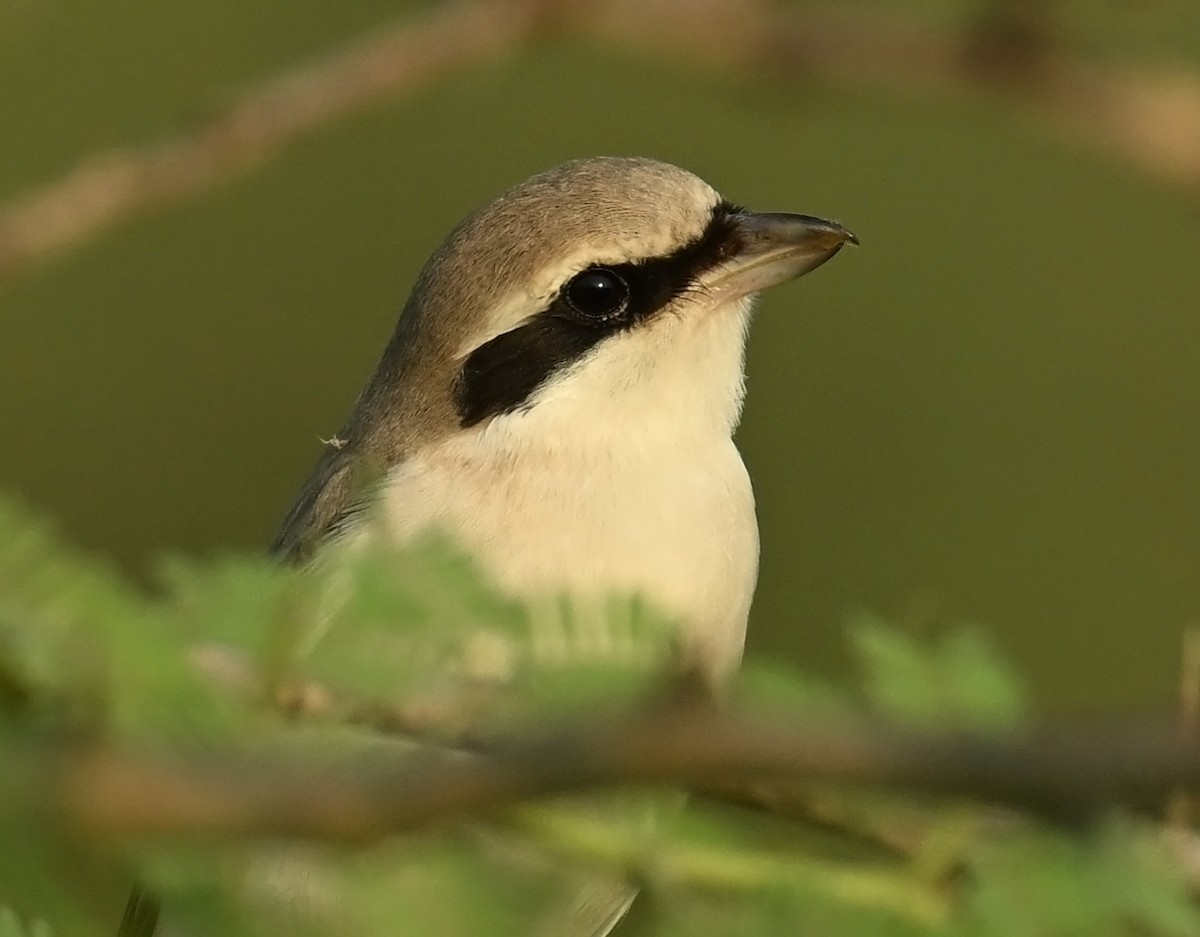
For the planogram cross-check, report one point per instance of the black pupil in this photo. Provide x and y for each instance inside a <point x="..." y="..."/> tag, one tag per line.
<point x="597" y="292"/>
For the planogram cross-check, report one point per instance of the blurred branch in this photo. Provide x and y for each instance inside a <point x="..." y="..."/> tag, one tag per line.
<point x="1064" y="777"/>
<point x="110" y="188"/>
<point x="1148" y="118"/>
<point x="1180" y="807"/>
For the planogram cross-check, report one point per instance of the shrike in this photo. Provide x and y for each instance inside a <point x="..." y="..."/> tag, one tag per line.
<point x="561" y="392"/>
<point x="560" y="397"/>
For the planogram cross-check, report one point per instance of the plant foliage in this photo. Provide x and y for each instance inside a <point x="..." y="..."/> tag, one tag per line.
<point x="373" y="647"/>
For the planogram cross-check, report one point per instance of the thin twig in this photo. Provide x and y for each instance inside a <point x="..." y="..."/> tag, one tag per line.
<point x="1149" y="118"/>
<point x="113" y="187"/>
<point x="1180" y="805"/>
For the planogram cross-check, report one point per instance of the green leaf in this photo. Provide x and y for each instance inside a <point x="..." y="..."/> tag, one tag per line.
<point x="55" y="607"/>
<point x="1115" y="882"/>
<point x="423" y="630"/>
<point x="771" y="685"/>
<point x="957" y="680"/>
<point x="12" y="925"/>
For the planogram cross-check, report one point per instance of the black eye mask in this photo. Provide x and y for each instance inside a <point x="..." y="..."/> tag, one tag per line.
<point x="501" y="375"/>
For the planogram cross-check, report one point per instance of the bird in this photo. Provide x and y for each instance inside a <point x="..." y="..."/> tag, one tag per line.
<point x="560" y="396"/>
<point x="561" y="392"/>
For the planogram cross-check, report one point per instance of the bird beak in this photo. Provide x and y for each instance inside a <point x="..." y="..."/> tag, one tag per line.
<point x="774" y="247"/>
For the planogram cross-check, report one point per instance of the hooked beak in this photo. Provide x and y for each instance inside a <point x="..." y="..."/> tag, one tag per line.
<point x="773" y="247"/>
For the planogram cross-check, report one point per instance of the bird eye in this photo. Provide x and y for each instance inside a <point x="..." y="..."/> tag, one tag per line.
<point x="597" y="293"/>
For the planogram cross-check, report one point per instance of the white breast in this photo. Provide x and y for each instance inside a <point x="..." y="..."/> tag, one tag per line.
<point x="622" y="478"/>
<point x="680" y="532"/>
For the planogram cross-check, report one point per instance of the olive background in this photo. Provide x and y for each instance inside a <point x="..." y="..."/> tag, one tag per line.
<point x="988" y="412"/>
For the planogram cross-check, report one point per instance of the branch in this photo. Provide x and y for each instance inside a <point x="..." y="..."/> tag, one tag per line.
<point x="1064" y="777"/>
<point x="113" y="187"/>
<point x="1149" y="119"/>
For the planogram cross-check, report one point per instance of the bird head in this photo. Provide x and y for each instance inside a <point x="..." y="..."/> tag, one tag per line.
<point x="604" y="291"/>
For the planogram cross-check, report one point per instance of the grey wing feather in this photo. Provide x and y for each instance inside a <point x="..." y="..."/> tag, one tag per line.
<point x="328" y="497"/>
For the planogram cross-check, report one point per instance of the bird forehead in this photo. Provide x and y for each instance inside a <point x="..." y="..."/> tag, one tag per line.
<point x="624" y="191"/>
<point x="614" y="209"/>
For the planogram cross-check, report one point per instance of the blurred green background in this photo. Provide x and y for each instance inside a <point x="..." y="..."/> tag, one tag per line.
<point x="989" y="411"/>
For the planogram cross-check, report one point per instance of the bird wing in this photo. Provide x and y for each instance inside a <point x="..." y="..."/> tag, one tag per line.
<point x="330" y="496"/>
